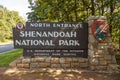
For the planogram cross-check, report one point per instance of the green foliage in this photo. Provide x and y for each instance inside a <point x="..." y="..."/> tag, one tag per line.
<point x="55" y="10"/>
<point x="8" y="20"/>
<point x="7" y="58"/>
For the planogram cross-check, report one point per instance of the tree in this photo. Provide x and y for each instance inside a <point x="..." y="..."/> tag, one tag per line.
<point x="8" y="20"/>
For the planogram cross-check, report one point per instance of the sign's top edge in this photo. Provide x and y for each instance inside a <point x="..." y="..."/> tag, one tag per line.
<point x="53" y="22"/>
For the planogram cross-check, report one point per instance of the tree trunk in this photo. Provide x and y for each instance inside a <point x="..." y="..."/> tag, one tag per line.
<point x="111" y="14"/>
<point x="102" y="8"/>
<point x="92" y="8"/>
<point x="75" y="11"/>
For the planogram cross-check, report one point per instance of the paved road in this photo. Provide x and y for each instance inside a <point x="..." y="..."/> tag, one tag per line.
<point x="6" y="47"/>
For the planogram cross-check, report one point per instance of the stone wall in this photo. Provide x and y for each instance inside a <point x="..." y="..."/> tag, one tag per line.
<point x="100" y="56"/>
<point x="48" y="62"/>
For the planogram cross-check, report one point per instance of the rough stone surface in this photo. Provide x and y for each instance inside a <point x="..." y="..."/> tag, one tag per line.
<point x="101" y="67"/>
<point x="103" y="62"/>
<point x="65" y="65"/>
<point x="84" y="65"/>
<point x="91" y="38"/>
<point x="112" y="67"/>
<point x="75" y="65"/>
<point x="101" y="59"/>
<point x="98" y="56"/>
<point x="92" y="67"/>
<point x="102" y="51"/>
<point x="55" y="65"/>
<point x="113" y="60"/>
<point x="47" y="59"/>
<point x="99" y="52"/>
<point x="33" y="65"/>
<point x="81" y="60"/>
<point x="108" y="57"/>
<point x="18" y="61"/>
<point x="26" y="60"/>
<point x="55" y="60"/>
<point x="75" y="59"/>
<point x="38" y="59"/>
<point x="62" y="60"/>
<point x="44" y="65"/>
<point x="68" y="59"/>
<point x="23" y="65"/>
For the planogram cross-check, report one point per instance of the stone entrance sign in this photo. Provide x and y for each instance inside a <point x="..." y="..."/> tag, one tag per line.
<point x="53" y="39"/>
<point x="66" y="45"/>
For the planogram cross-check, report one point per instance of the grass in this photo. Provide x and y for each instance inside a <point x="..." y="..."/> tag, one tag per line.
<point x="8" y="57"/>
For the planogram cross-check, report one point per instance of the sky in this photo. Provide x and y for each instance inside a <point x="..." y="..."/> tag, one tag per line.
<point x="17" y="5"/>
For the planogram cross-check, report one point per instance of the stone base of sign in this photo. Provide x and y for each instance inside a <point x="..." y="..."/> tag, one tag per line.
<point x="64" y="63"/>
<point x="101" y="56"/>
<point x="48" y="62"/>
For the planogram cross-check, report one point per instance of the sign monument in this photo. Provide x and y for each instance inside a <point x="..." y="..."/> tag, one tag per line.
<point x="52" y="39"/>
<point x="65" y="45"/>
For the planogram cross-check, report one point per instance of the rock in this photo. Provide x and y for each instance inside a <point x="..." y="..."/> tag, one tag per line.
<point x="68" y="59"/>
<point x="20" y="65"/>
<point x="108" y="57"/>
<point x="91" y="18"/>
<point x="33" y="65"/>
<point x="23" y="65"/>
<point x="91" y="38"/>
<point x="91" y="53"/>
<point x="62" y="60"/>
<point x="101" y="67"/>
<point x="65" y="65"/>
<point x="48" y="59"/>
<point x="90" y="22"/>
<point x="55" y="60"/>
<point x="81" y="60"/>
<point x="55" y="65"/>
<point x="94" y="61"/>
<point x="43" y="65"/>
<point x="83" y="65"/>
<point x="26" y="60"/>
<point x="102" y="18"/>
<point x="18" y="61"/>
<point x="75" y="65"/>
<point x="103" y="62"/>
<point x="92" y="67"/>
<point x="97" y="17"/>
<point x="99" y="52"/>
<point x="75" y="59"/>
<point x="38" y="59"/>
<point x="112" y="67"/>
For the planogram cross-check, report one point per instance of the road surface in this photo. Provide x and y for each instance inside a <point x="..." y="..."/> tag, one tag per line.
<point x="6" y="47"/>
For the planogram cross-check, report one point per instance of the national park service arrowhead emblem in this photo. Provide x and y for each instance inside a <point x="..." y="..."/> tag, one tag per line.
<point x="20" y="26"/>
<point x="99" y="29"/>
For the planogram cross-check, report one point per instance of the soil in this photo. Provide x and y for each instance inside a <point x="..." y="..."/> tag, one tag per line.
<point x="55" y="74"/>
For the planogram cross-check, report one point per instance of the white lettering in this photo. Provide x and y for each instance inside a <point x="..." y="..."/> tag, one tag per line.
<point x="47" y="34"/>
<point x="21" y="34"/>
<point x="34" y="42"/>
<point x="39" y="24"/>
<point x="69" y="43"/>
